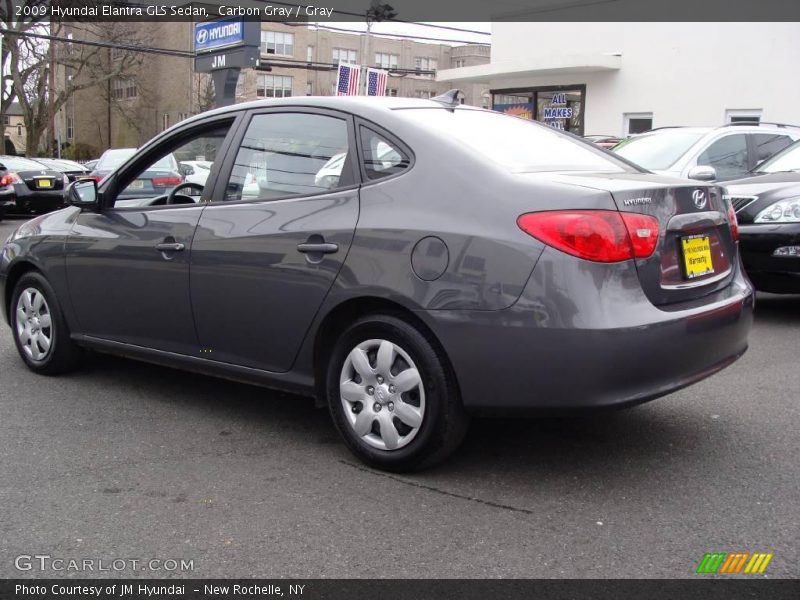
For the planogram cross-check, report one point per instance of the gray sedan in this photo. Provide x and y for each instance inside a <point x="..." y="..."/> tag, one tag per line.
<point x="407" y="262"/>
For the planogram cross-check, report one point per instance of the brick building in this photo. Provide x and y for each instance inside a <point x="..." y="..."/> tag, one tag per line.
<point x="165" y="89"/>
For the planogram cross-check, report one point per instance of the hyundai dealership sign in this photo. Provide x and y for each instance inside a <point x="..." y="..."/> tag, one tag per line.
<point x="216" y="35"/>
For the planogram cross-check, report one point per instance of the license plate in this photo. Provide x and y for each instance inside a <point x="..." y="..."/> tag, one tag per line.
<point x="697" y="256"/>
<point x="44" y="183"/>
<point x="136" y="184"/>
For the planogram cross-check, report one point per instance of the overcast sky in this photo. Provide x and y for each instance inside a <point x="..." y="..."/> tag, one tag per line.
<point x="421" y="30"/>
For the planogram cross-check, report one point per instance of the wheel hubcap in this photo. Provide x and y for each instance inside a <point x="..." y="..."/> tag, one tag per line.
<point x="382" y="394"/>
<point x="34" y="324"/>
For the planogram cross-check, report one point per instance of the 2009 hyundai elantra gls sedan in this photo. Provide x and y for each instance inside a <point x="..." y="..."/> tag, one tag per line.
<point x="457" y="261"/>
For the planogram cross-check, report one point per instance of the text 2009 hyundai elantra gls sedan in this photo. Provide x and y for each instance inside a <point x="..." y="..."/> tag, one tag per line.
<point x="457" y="261"/>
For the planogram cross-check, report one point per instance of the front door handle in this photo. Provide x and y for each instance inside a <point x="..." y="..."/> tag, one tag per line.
<point x="321" y="248"/>
<point x="170" y="247"/>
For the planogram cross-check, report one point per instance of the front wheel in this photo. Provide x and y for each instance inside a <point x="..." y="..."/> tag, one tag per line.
<point x="40" y="331"/>
<point x="392" y="395"/>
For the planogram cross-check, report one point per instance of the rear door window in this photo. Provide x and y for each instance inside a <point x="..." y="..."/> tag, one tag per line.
<point x="728" y="156"/>
<point x="290" y="154"/>
<point x="382" y="158"/>
<point x="767" y="144"/>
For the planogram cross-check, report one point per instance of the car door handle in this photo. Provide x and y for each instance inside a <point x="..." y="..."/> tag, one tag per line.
<point x="170" y="247"/>
<point x="321" y="248"/>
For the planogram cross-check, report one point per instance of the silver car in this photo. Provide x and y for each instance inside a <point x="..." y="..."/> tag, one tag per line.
<point x="458" y="262"/>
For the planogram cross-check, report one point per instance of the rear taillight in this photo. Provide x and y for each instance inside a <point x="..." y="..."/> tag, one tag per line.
<point x="597" y="235"/>
<point x="9" y="179"/>
<point x="166" y="181"/>
<point x="733" y="222"/>
<point x="97" y="178"/>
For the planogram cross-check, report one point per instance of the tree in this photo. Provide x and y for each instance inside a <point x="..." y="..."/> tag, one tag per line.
<point x="36" y="63"/>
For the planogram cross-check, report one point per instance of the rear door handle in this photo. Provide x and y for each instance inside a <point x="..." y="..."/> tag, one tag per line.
<point x="321" y="248"/>
<point x="170" y="247"/>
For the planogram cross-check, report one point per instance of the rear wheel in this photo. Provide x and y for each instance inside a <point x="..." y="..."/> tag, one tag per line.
<point x="40" y="331"/>
<point x="392" y="395"/>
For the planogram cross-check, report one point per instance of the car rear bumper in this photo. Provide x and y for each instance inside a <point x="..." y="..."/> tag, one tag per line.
<point x="585" y="336"/>
<point x="19" y="199"/>
<point x="778" y="274"/>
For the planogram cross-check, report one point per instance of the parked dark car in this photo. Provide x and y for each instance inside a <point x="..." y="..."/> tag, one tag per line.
<point x="160" y="178"/>
<point x="71" y="169"/>
<point x="29" y="187"/>
<point x="457" y="261"/>
<point x="767" y="205"/>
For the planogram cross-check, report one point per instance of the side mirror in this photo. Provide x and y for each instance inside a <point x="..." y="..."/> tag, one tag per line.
<point x="83" y="193"/>
<point x="702" y="173"/>
<point x="186" y="169"/>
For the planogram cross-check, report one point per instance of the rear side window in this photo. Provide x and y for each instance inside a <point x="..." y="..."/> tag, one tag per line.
<point x="767" y="144"/>
<point x="289" y="154"/>
<point x="382" y="158"/>
<point x="728" y="156"/>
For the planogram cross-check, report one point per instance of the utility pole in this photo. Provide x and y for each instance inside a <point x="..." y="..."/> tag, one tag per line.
<point x="377" y="11"/>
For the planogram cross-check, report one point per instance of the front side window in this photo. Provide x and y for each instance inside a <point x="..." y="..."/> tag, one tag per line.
<point x="516" y="144"/>
<point x="274" y="86"/>
<point x="382" y="158"/>
<point x="727" y="155"/>
<point x="169" y="169"/>
<point x="289" y="154"/>
<point x="277" y="43"/>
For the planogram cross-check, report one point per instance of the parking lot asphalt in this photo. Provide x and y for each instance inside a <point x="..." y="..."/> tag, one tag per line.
<point x="134" y="461"/>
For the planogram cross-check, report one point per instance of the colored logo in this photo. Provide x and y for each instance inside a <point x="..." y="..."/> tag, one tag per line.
<point x="734" y="563"/>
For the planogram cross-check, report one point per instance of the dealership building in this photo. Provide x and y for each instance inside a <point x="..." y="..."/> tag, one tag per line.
<point x="623" y="78"/>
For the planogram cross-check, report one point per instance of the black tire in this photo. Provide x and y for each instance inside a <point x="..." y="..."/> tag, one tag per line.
<point x="63" y="355"/>
<point x="444" y="423"/>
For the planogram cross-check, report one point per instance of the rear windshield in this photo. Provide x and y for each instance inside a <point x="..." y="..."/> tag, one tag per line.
<point x="519" y="145"/>
<point x="786" y="160"/>
<point x="114" y="158"/>
<point x="13" y="163"/>
<point x="657" y="150"/>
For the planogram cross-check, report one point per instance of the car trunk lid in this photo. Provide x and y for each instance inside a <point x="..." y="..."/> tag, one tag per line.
<point x="696" y="251"/>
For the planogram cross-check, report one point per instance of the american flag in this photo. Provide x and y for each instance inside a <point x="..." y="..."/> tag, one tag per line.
<point x="376" y="82"/>
<point x="348" y="79"/>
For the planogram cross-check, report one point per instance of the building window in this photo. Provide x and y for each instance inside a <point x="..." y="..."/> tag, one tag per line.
<point x="458" y="63"/>
<point x="6" y="120"/>
<point x="344" y="55"/>
<point x="425" y="64"/>
<point x="182" y="116"/>
<point x="124" y="88"/>
<point x="117" y="53"/>
<point x="386" y="61"/>
<point x="274" y="86"/>
<point x="751" y="115"/>
<point x="165" y="121"/>
<point x="391" y="92"/>
<point x="309" y="88"/>
<point x="310" y="54"/>
<point x="70" y="128"/>
<point x="19" y="130"/>
<point x="277" y="43"/>
<point x="637" y="123"/>
<point x="423" y="94"/>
